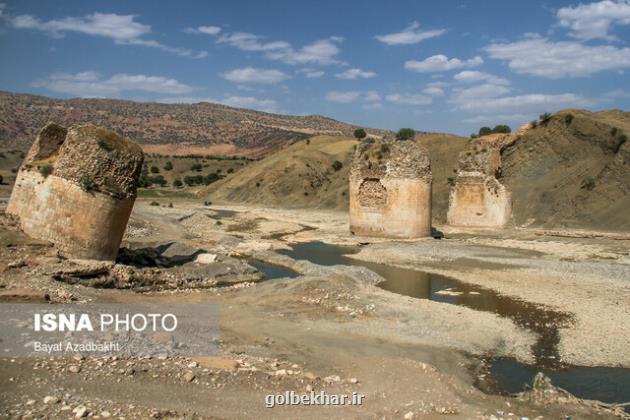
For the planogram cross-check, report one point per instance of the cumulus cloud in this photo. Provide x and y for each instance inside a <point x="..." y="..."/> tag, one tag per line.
<point x="255" y="75"/>
<point x="441" y="62"/>
<point x="473" y="76"/>
<point x="525" y="103"/>
<point x="594" y="20"/>
<point x="343" y="97"/>
<point x="311" y="73"/>
<point x="408" y="99"/>
<point x="208" y="30"/>
<point x="539" y="56"/>
<point x="433" y="91"/>
<point x="352" y="74"/>
<point x="322" y="52"/>
<point x="410" y="35"/>
<point x="92" y="84"/>
<point x="370" y="96"/>
<point x="250" y="42"/>
<point x="122" y="29"/>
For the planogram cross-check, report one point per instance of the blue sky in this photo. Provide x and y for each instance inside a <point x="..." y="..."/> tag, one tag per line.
<point x="447" y="66"/>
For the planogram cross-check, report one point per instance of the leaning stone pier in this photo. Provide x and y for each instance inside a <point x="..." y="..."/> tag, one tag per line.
<point x="76" y="188"/>
<point x="390" y="190"/>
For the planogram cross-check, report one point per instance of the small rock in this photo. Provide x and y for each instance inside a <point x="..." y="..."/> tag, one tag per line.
<point x="353" y="380"/>
<point x="50" y="400"/>
<point x="192" y="365"/>
<point x="206" y="258"/>
<point x="281" y="372"/>
<point x="106" y="414"/>
<point x="80" y="412"/>
<point x="74" y="369"/>
<point x="409" y="415"/>
<point x="188" y="376"/>
<point x="30" y="402"/>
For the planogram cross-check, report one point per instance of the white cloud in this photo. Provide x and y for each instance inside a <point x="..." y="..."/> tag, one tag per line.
<point x="441" y="62"/>
<point x="322" y="52"/>
<point x="255" y="75"/>
<point x="408" y="99"/>
<point x="92" y="84"/>
<point x="498" y="118"/>
<point x="538" y="56"/>
<point x="372" y="106"/>
<point x="311" y="73"/>
<point x="343" y="97"/>
<point x="525" y="103"/>
<point x="410" y="35"/>
<point x="208" y="30"/>
<point x="372" y="96"/>
<point x="249" y="102"/>
<point x="433" y="91"/>
<point x="594" y="20"/>
<point x="352" y="74"/>
<point x="618" y="93"/>
<point x="473" y="76"/>
<point x="250" y="42"/>
<point x="122" y="29"/>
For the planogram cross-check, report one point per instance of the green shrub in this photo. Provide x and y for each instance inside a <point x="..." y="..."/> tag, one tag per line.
<point x="405" y="134"/>
<point x="196" y="167"/>
<point x="588" y="183"/>
<point x="87" y="184"/>
<point x="168" y="166"/>
<point x="178" y="183"/>
<point x="360" y="133"/>
<point x="46" y="170"/>
<point x="613" y="131"/>
<point x="155" y="170"/>
<point x="484" y="131"/>
<point x="337" y="165"/>
<point x="474" y="135"/>
<point x="534" y="123"/>
<point x="154" y="203"/>
<point x="545" y="118"/>
<point x="451" y="180"/>
<point x="502" y="128"/>
<point x="568" y="119"/>
<point x="1" y="180"/>
<point x="230" y="170"/>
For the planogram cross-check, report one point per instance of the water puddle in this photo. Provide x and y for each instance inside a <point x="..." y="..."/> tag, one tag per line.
<point x="605" y="384"/>
<point x="272" y="271"/>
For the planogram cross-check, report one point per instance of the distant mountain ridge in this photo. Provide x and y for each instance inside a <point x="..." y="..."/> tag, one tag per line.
<point x="203" y="128"/>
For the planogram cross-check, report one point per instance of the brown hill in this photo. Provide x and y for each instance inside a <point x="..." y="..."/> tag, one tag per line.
<point x="202" y="128"/>
<point x="302" y="175"/>
<point x="573" y="171"/>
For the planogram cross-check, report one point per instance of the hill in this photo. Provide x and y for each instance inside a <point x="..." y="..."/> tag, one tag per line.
<point x="302" y="175"/>
<point x="168" y="129"/>
<point x="572" y="171"/>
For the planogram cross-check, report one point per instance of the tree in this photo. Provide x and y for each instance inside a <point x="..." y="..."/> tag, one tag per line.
<point x="1" y="180"/>
<point x="168" y="166"/>
<point x="502" y="128"/>
<point x="196" y="167"/>
<point x="46" y="170"/>
<point x="545" y="118"/>
<point x="484" y="131"/>
<point x="178" y="183"/>
<point x="360" y="133"/>
<point x="405" y="134"/>
<point x="337" y="165"/>
<point x="155" y="170"/>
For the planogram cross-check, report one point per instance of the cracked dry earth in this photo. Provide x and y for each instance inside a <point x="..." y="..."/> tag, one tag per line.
<point x="328" y="329"/>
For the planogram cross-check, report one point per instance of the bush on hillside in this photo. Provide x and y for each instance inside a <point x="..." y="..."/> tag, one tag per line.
<point x="405" y="134"/>
<point x="360" y="133"/>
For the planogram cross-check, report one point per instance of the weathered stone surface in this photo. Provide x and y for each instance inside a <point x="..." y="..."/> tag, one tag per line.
<point x="477" y="198"/>
<point x="390" y="190"/>
<point x="76" y="189"/>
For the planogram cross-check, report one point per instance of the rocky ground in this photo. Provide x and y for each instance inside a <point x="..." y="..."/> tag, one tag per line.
<point x="329" y="329"/>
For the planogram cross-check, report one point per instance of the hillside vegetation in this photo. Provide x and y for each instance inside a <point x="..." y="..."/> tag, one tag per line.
<point x="167" y="129"/>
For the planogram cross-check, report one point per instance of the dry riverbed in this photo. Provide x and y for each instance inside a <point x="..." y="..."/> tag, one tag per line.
<point x="329" y="329"/>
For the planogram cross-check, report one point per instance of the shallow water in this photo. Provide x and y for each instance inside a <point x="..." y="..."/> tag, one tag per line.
<point x="271" y="271"/>
<point x="605" y="384"/>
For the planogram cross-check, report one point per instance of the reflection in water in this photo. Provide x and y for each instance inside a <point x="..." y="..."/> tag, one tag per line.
<point x="510" y="375"/>
<point x="271" y="271"/>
